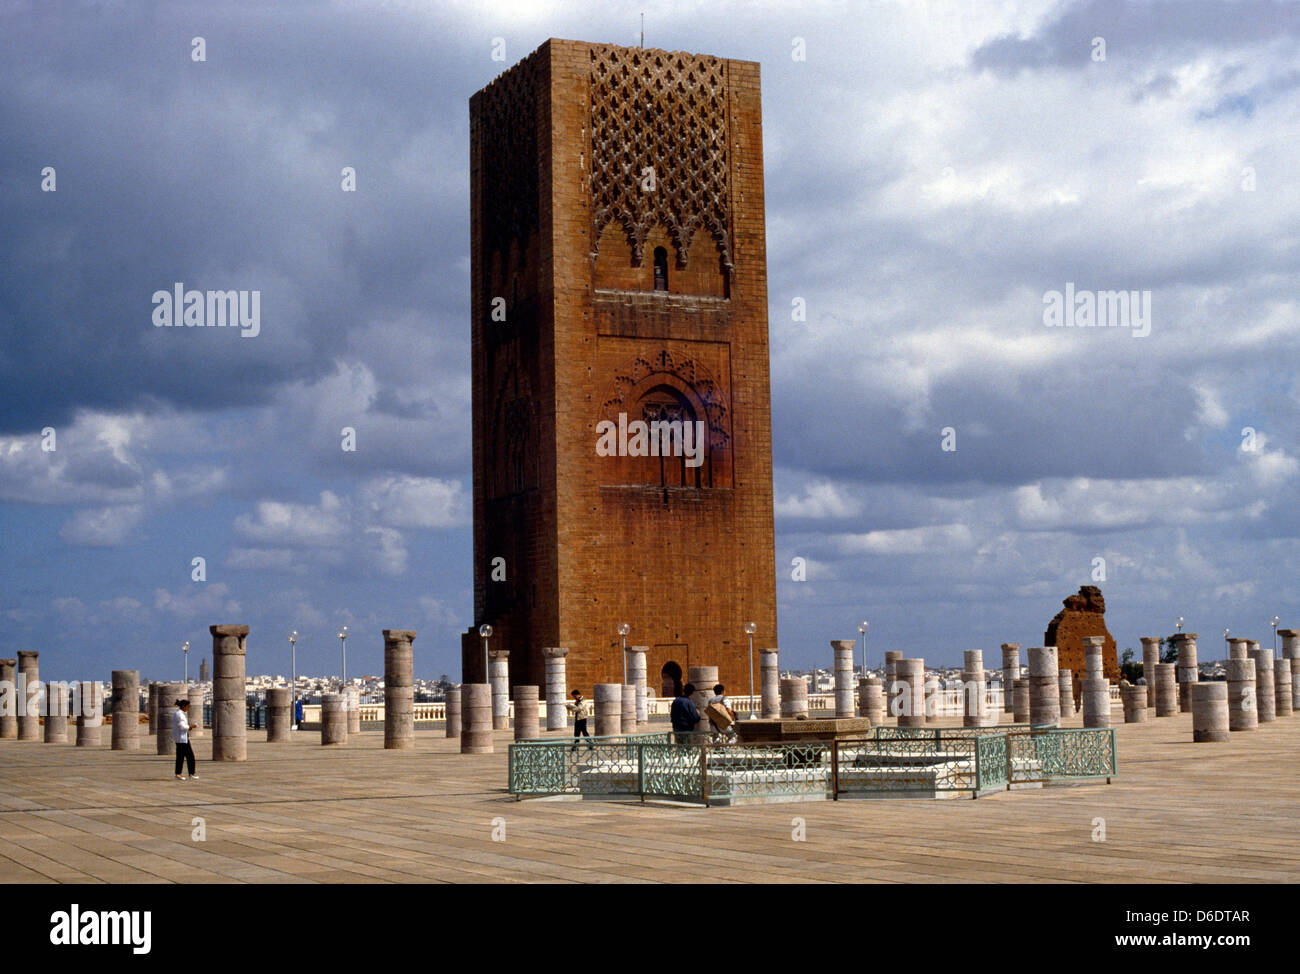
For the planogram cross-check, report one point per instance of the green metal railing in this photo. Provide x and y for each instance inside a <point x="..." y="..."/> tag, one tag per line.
<point x="884" y="762"/>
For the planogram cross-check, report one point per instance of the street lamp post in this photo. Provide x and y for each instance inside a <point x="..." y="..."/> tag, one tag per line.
<point x="1179" y="623"/>
<point x="486" y="632"/>
<point x="750" y="629"/>
<point x="862" y="628"/>
<point x="623" y="630"/>
<point x="343" y="643"/>
<point x="1274" y="623"/>
<point x="293" y="670"/>
<point x="185" y="648"/>
<point x="1226" y="648"/>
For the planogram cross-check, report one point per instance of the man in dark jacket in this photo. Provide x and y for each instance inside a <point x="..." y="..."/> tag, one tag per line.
<point x="683" y="713"/>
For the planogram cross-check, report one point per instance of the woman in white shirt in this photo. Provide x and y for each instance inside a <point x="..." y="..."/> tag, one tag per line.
<point x="181" y="735"/>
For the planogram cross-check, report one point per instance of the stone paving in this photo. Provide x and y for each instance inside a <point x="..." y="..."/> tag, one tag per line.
<point x="300" y="813"/>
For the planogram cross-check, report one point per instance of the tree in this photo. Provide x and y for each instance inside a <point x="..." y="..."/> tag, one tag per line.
<point x="1130" y="670"/>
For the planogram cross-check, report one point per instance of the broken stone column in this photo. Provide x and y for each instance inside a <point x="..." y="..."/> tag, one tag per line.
<point x="167" y="696"/>
<point x="1150" y="657"/>
<point x="153" y="707"/>
<point x="229" y="717"/>
<point x="9" y="693"/>
<point x="499" y="677"/>
<point x="627" y="715"/>
<point x="1243" y="715"/>
<point x="771" y="676"/>
<point x="843" y="671"/>
<point x="892" y="656"/>
<point x="194" y="694"/>
<point x="399" y="689"/>
<point x="29" y="717"/>
<point x="1282" y="687"/>
<point x="705" y="678"/>
<point x="933" y="699"/>
<point x="1209" y="711"/>
<point x="279" y="715"/>
<point x="1134" y="699"/>
<point x="636" y="676"/>
<point x="451" y="711"/>
<point x="90" y="713"/>
<point x="1020" y="701"/>
<point x="1265" y="685"/>
<point x="871" y="700"/>
<point x="56" y="713"/>
<point x="1291" y="651"/>
<point x="1092" y="656"/>
<point x="1044" y="687"/>
<point x="608" y="700"/>
<point x="352" y="704"/>
<point x="126" y="710"/>
<point x="1096" y="702"/>
<point x="909" y="704"/>
<point x="1187" y="670"/>
<point x="794" y="697"/>
<point x="972" y="687"/>
<point x="333" y="719"/>
<point x="1238" y="649"/>
<point x="1010" y="674"/>
<point x="476" y="733"/>
<point x="528" y="725"/>
<point x="1166" y="690"/>
<point x="557" y="688"/>
<point x="1065" y="681"/>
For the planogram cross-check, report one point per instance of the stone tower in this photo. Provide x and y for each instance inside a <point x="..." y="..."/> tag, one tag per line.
<point x="619" y="280"/>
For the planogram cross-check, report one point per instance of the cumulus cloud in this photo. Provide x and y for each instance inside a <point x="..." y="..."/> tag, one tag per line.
<point x="103" y="527"/>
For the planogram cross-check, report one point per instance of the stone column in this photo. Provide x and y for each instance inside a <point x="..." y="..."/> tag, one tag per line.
<point x="9" y="714"/>
<point x="194" y="694"/>
<point x="279" y="715"/>
<point x="126" y="710"/>
<point x="476" y="733"/>
<point x="1187" y="672"/>
<point x="771" y="676"/>
<point x="1093" y="668"/>
<point x="909" y="705"/>
<point x="871" y="700"/>
<point x="557" y="687"/>
<point x="1020" y="701"/>
<point x="527" y="713"/>
<point x="1209" y="711"/>
<point x="608" y="699"/>
<point x="843" y="670"/>
<point x="1238" y="649"/>
<point x="29" y="718"/>
<point x="1150" y="657"/>
<point x="1291" y="651"/>
<point x="1044" y="687"/>
<point x="972" y="679"/>
<point x="352" y="705"/>
<point x="153" y="707"/>
<point x="90" y="713"/>
<point x="794" y="697"/>
<point x="1282" y="687"/>
<point x="705" y="678"/>
<point x="399" y="689"/>
<point x="892" y="656"/>
<point x="1166" y="690"/>
<point x="636" y="675"/>
<point x="1134" y="699"/>
<point x="627" y="714"/>
<point x="1243" y="714"/>
<point x="1010" y="673"/>
<point x="1065" y="682"/>
<point x="166" y="696"/>
<point x="499" y="677"/>
<point x="1096" y="702"/>
<point x="933" y="699"/>
<point x="451" y="709"/>
<point x="229" y="720"/>
<point x="333" y="719"/>
<point x="1265" y="691"/>
<point x="56" y="713"/>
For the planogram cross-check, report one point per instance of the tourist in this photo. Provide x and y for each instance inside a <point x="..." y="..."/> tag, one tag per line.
<point x="297" y="712"/>
<point x="683" y="714"/>
<point x="181" y="735"/>
<point x="720" y="698"/>
<point x="581" y="710"/>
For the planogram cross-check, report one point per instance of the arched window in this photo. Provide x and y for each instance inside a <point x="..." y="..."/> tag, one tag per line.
<point x="661" y="269"/>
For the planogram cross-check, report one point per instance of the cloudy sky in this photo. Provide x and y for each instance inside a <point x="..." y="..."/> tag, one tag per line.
<point x="932" y="171"/>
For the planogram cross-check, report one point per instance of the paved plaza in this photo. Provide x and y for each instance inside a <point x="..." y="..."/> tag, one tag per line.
<point x="298" y="813"/>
